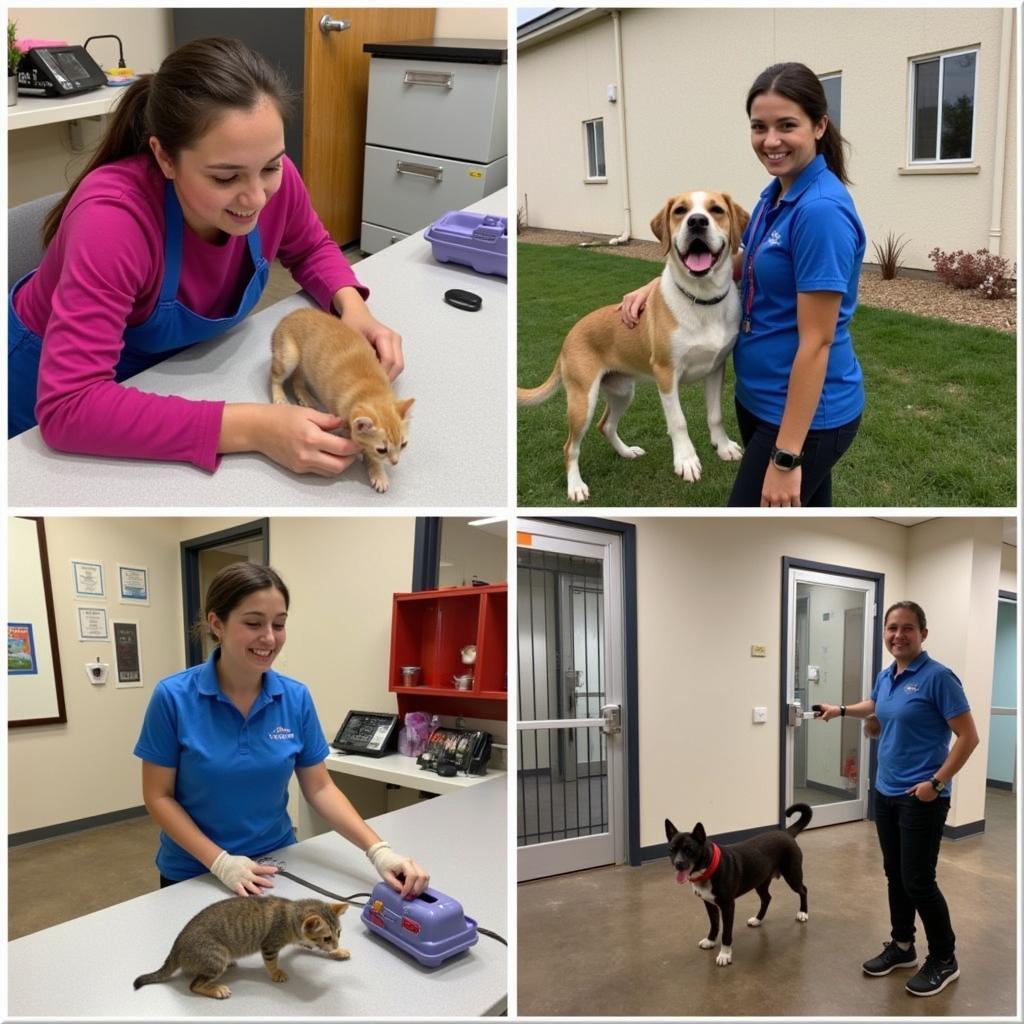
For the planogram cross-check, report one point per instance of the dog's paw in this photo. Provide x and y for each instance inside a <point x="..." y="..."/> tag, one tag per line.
<point x="632" y="451"/>
<point x="707" y="944"/>
<point x="688" y="468"/>
<point x="724" y="958"/>
<point x="729" y="451"/>
<point x="753" y="922"/>
<point x="801" y="916"/>
<point x="578" y="490"/>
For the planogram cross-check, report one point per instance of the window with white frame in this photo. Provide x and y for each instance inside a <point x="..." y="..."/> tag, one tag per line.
<point x="593" y="135"/>
<point x="833" y="86"/>
<point x="942" y="107"/>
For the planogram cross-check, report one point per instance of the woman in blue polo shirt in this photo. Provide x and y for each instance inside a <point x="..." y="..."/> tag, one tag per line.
<point x="799" y="387"/>
<point x="219" y="744"/>
<point x="920" y="704"/>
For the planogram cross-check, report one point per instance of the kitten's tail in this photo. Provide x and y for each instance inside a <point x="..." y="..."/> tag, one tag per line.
<point x="170" y="965"/>
<point x="534" y="396"/>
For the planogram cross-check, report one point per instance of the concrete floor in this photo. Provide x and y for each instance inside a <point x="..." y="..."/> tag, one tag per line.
<point x="56" y="880"/>
<point x="622" y="941"/>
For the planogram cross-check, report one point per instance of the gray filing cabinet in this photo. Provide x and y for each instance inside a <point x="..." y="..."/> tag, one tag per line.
<point x="436" y="133"/>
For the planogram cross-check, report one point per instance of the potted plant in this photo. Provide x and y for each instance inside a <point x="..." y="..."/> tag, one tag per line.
<point x="13" y="58"/>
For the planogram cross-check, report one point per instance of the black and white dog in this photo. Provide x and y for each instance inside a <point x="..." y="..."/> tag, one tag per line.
<point x="721" y="874"/>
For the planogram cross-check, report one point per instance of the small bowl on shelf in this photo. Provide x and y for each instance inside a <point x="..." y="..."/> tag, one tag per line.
<point x="411" y="675"/>
<point x="464" y="682"/>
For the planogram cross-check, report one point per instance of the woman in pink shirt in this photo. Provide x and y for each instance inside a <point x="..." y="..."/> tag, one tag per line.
<point x="165" y="240"/>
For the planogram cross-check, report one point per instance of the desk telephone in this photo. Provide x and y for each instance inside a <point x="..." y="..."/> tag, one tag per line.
<point x="457" y="750"/>
<point x="58" y="71"/>
<point x="371" y="733"/>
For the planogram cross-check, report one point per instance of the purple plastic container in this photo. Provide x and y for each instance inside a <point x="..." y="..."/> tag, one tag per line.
<point x="430" y="927"/>
<point x="478" y="240"/>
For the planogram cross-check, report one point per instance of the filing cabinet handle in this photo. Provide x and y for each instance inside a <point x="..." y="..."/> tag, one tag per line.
<point x="422" y="170"/>
<point x="445" y="79"/>
<point x="328" y="24"/>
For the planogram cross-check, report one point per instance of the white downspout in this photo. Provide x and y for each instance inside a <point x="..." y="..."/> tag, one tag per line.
<point x="1002" y="107"/>
<point x="624" y="237"/>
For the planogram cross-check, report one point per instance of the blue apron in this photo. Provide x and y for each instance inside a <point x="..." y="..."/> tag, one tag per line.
<point x="170" y="328"/>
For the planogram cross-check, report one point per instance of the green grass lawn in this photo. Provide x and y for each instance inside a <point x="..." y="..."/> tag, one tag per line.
<point x="939" y="428"/>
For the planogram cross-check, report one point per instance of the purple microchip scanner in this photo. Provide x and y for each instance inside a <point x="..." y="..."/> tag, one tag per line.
<point x="479" y="240"/>
<point x="430" y="927"/>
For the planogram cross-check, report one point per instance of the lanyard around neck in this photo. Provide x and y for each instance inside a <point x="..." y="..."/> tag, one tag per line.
<point x="749" y="302"/>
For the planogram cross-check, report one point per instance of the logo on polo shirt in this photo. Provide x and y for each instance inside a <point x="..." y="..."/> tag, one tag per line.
<point x="911" y="688"/>
<point x="775" y="238"/>
<point x="282" y="732"/>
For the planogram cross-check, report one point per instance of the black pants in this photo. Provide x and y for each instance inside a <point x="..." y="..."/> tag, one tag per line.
<point x="909" y="832"/>
<point x="822" y="450"/>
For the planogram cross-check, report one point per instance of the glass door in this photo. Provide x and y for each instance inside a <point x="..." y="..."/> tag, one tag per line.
<point x="569" y="729"/>
<point x="830" y="640"/>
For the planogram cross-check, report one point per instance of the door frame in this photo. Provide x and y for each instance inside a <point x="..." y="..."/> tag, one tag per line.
<point x="830" y="569"/>
<point x="191" y="599"/>
<point x="630" y="689"/>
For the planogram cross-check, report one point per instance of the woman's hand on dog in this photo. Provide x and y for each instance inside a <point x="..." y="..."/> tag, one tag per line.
<point x="633" y="303"/>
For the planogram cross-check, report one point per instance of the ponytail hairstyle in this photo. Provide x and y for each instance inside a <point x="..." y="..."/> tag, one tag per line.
<point x="231" y="586"/>
<point x="799" y="84"/>
<point x="911" y="606"/>
<point x="192" y="89"/>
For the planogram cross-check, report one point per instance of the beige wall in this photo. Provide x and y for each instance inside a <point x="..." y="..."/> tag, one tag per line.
<point x="709" y="588"/>
<point x="686" y="124"/>
<point x="40" y="160"/>
<point x="468" y="551"/>
<point x="341" y="574"/>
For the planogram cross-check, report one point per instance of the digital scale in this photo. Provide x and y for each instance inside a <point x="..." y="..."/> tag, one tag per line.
<point x="371" y="733"/>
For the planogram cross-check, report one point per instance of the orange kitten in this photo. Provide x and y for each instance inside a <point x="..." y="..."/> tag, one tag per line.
<point x="342" y="369"/>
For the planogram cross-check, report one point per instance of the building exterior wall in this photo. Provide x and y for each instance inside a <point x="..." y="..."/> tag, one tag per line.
<point x="686" y="73"/>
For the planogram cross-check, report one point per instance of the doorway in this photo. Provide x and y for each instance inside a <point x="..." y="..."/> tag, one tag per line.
<point x="571" y="781"/>
<point x="830" y="640"/>
<point x="1002" y="737"/>
<point x="201" y="559"/>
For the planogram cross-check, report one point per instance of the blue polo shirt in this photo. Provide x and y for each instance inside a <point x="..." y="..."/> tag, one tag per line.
<point x="232" y="772"/>
<point x="813" y="241"/>
<point x="914" y="709"/>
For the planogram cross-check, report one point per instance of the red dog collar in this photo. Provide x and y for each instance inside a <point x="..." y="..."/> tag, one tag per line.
<point x="716" y="856"/>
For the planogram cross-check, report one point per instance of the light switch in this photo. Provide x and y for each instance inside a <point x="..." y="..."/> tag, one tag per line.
<point x="760" y="716"/>
<point x="759" y="650"/>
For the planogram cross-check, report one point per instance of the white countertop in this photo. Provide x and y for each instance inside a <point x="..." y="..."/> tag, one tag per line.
<point x="85" y="967"/>
<point x="30" y="111"/>
<point x="400" y="770"/>
<point x="456" y="369"/>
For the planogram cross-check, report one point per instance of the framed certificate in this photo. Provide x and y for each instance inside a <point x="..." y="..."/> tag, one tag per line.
<point x="92" y="623"/>
<point x="127" y="654"/>
<point x="133" y="584"/>
<point x="88" y="579"/>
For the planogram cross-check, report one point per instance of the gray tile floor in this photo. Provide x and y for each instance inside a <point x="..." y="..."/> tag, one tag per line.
<point x="623" y="941"/>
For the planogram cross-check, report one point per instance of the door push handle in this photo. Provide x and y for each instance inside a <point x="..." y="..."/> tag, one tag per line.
<point x="328" y="24"/>
<point x="612" y="715"/>
<point x="444" y="79"/>
<point x="420" y="170"/>
<point x="796" y="716"/>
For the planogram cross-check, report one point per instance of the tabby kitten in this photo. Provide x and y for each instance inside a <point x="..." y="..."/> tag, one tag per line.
<point x="220" y="933"/>
<point x="318" y="351"/>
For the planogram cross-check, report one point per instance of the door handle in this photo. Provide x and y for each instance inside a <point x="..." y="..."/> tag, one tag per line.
<point x="444" y="79"/>
<point x="796" y="716"/>
<point x="420" y="170"/>
<point x="612" y="715"/>
<point x="328" y="24"/>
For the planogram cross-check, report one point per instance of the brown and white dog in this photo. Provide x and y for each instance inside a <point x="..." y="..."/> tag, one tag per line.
<point x="688" y="329"/>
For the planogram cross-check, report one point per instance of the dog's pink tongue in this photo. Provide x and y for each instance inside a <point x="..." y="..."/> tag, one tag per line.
<point x="699" y="261"/>
<point x="682" y="877"/>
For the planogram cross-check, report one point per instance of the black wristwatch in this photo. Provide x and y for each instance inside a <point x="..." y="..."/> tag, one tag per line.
<point x="842" y="710"/>
<point x="785" y="460"/>
<point x="938" y="785"/>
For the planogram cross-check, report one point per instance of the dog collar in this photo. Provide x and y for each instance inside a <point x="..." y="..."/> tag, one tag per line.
<point x="702" y="302"/>
<point x="716" y="856"/>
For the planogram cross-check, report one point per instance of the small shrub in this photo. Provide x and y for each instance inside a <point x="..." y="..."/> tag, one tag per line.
<point x="980" y="270"/>
<point x="888" y="255"/>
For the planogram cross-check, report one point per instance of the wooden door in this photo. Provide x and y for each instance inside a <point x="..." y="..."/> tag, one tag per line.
<point x="334" y="118"/>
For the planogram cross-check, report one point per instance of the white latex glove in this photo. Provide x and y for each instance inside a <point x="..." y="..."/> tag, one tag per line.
<point x="390" y="865"/>
<point x="242" y="875"/>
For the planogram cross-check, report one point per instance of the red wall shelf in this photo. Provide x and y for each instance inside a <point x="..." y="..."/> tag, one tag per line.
<point x="429" y="628"/>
